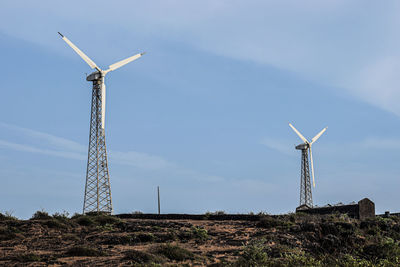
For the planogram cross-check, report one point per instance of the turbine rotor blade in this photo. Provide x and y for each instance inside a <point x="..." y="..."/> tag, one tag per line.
<point x="312" y="166"/>
<point x="80" y="53"/>
<point x="299" y="134"/>
<point x="123" y="62"/>
<point x="315" y="138"/>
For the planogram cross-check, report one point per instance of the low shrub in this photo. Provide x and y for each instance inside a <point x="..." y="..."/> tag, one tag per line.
<point x="254" y="254"/>
<point x="54" y="223"/>
<point x="7" y="234"/>
<point x="140" y="257"/>
<point x="71" y="237"/>
<point x="271" y="222"/>
<point x="40" y="215"/>
<point x="118" y="240"/>
<point x="106" y="219"/>
<point x="84" y="220"/>
<point x="30" y="257"/>
<point x="61" y="216"/>
<point x="384" y="248"/>
<point x="84" y="251"/>
<point x="199" y="233"/>
<point x="174" y="252"/>
<point x="105" y="227"/>
<point x="144" y="237"/>
<point x="7" y="216"/>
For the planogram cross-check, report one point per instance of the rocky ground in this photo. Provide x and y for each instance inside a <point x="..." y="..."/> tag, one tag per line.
<point x="287" y="240"/>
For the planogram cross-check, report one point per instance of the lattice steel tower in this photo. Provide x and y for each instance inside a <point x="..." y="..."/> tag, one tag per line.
<point x="305" y="178"/>
<point x="97" y="189"/>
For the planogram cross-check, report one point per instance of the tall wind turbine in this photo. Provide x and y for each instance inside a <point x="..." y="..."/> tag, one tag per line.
<point x="305" y="183"/>
<point x="97" y="189"/>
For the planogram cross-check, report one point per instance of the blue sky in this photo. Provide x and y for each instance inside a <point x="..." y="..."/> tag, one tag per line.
<point x="204" y="114"/>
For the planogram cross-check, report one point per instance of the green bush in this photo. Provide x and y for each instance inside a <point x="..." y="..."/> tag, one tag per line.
<point x="105" y="227"/>
<point x="174" y="252"/>
<point x="302" y="260"/>
<point x="254" y="254"/>
<point x="199" y="233"/>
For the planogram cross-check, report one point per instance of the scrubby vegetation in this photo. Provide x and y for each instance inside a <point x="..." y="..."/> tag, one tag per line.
<point x="174" y="252"/>
<point x="285" y="240"/>
<point x="84" y="251"/>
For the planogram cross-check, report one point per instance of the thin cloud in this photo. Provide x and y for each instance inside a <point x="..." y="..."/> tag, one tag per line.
<point x="280" y="146"/>
<point x="381" y="143"/>
<point x="140" y="160"/>
<point x="32" y="149"/>
<point x="65" y="148"/>
<point x="49" y="139"/>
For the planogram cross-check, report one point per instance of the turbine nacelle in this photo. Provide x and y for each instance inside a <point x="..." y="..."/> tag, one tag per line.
<point x="95" y="76"/>
<point x="303" y="146"/>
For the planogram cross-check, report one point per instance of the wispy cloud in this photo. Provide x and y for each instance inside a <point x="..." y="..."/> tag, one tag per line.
<point x="48" y="139"/>
<point x="32" y="149"/>
<point x="140" y="160"/>
<point x="62" y="147"/>
<point x="280" y="146"/>
<point x="380" y="143"/>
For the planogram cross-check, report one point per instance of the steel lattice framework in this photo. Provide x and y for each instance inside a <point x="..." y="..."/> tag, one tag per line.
<point x="97" y="189"/>
<point x="305" y="180"/>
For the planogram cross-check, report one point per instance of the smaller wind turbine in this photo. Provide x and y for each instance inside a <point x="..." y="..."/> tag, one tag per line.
<point x="305" y="185"/>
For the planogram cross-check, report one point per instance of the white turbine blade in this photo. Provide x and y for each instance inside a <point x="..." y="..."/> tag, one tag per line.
<point x="312" y="166"/>
<point x="80" y="53"/>
<point x="103" y="105"/>
<point x="318" y="135"/>
<point x="121" y="63"/>
<point x="299" y="134"/>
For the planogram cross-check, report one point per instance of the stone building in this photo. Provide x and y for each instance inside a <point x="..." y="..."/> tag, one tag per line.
<point x="364" y="209"/>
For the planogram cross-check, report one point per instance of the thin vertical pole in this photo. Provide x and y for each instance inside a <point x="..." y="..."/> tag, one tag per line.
<point x="158" y="194"/>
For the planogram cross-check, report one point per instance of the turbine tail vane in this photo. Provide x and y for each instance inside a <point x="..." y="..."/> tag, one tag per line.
<point x="80" y="53"/>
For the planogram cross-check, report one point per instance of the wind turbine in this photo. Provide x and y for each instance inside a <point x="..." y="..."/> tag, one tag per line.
<point x="305" y="184"/>
<point x="97" y="189"/>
